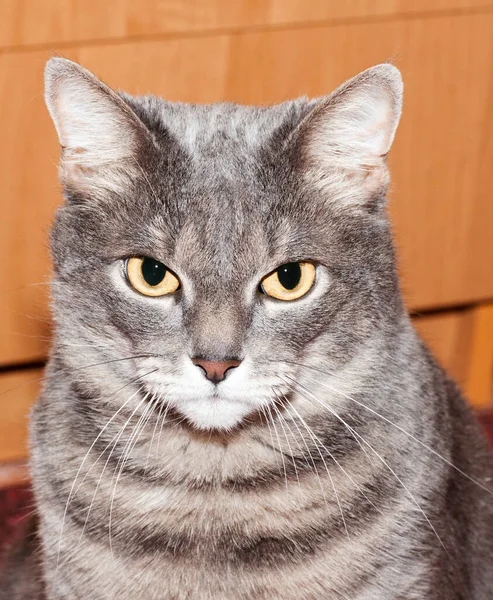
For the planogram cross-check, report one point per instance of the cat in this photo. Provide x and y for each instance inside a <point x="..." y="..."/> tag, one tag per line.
<point x="236" y="404"/>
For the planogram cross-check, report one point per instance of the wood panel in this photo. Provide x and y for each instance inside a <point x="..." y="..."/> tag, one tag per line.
<point x="442" y="186"/>
<point x="28" y="197"/>
<point x="480" y="372"/>
<point x="299" y="10"/>
<point x="18" y="392"/>
<point x="28" y="22"/>
<point x="449" y="336"/>
<point x="462" y="341"/>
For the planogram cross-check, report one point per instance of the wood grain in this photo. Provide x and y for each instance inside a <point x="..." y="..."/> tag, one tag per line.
<point x="48" y="22"/>
<point x="442" y="181"/>
<point x="449" y="336"/>
<point x="462" y="341"/>
<point x="28" y="196"/>
<point x="480" y="371"/>
<point x="18" y="392"/>
<point x="299" y="10"/>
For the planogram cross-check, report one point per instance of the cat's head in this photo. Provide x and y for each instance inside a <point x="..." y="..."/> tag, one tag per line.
<point x="228" y="250"/>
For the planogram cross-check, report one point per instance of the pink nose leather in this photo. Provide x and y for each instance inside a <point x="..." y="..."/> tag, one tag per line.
<point x="215" y="371"/>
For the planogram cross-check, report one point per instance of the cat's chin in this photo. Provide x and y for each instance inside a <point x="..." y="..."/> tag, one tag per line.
<point x="216" y="414"/>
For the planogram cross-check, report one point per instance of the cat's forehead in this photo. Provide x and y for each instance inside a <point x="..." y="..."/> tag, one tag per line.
<point x="224" y="200"/>
<point x="223" y="190"/>
<point x="206" y="131"/>
<point x="238" y="240"/>
<point x="228" y="230"/>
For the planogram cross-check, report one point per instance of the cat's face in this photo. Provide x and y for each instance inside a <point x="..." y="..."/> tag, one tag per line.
<point x="266" y="246"/>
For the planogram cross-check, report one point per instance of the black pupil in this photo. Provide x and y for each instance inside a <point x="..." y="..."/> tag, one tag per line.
<point x="289" y="275"/>
<point x="153" y="271"/>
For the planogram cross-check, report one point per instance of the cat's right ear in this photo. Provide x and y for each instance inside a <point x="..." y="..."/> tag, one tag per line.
<point x="100" y="136"/>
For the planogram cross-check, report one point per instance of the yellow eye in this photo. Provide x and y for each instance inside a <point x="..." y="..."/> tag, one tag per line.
<point x="150" y="277"/>
<point x="290" y="281"/>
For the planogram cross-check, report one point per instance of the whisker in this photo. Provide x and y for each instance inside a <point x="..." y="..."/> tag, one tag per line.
<point x="91" y="345"/>
<point x="313" y="436"/>
<point x="114" y="360"/>
<point x="268" y="419"/>
<point x="16" y="387"/>
<point x="130" y="445"/>
<point x="409" y="435"/>
<point x="158" y="419"/>
<point x="384" y="462"/>
<point x="110" y="443"/>
<point x="106" y="464"/>
<point x="162" y="423"/>
<point x="346" y="473"/>
<point x="282" y="421"/>
<point x="37" y="318"/>
<point x="315" y="470"/>
<point x="272" y="446"/>
<point x="88" y="452"/>
<point x="282" y="455"/>
<point x="295" y="437"/>
<point x="354" y="437"/>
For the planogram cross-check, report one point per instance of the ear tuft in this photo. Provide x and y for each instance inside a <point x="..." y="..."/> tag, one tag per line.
<point x="98" y="132"/>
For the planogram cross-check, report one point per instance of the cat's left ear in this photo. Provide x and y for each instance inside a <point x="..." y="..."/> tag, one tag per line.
<point x="101" y="138"/>
<point x="343" y="143"/>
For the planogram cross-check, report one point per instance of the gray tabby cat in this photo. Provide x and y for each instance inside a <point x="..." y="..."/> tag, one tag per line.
<point x="236" y="404"/>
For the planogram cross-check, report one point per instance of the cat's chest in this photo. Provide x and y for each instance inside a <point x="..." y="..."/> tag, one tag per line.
<point x="261" y="573"/>
<point x="226" y="545"/>
<point x="251" y="532"/>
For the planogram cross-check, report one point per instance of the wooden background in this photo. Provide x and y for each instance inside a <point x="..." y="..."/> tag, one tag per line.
<point x="258" y="52"/>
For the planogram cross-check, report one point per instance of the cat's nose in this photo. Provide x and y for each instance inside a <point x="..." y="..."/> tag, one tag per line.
<point x="215" y="370"/>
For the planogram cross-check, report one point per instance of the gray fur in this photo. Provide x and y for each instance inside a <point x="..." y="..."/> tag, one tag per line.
<point x="215" y="500"/>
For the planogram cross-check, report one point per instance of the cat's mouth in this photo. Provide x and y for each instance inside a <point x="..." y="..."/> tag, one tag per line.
<point x="218" y="413"/>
